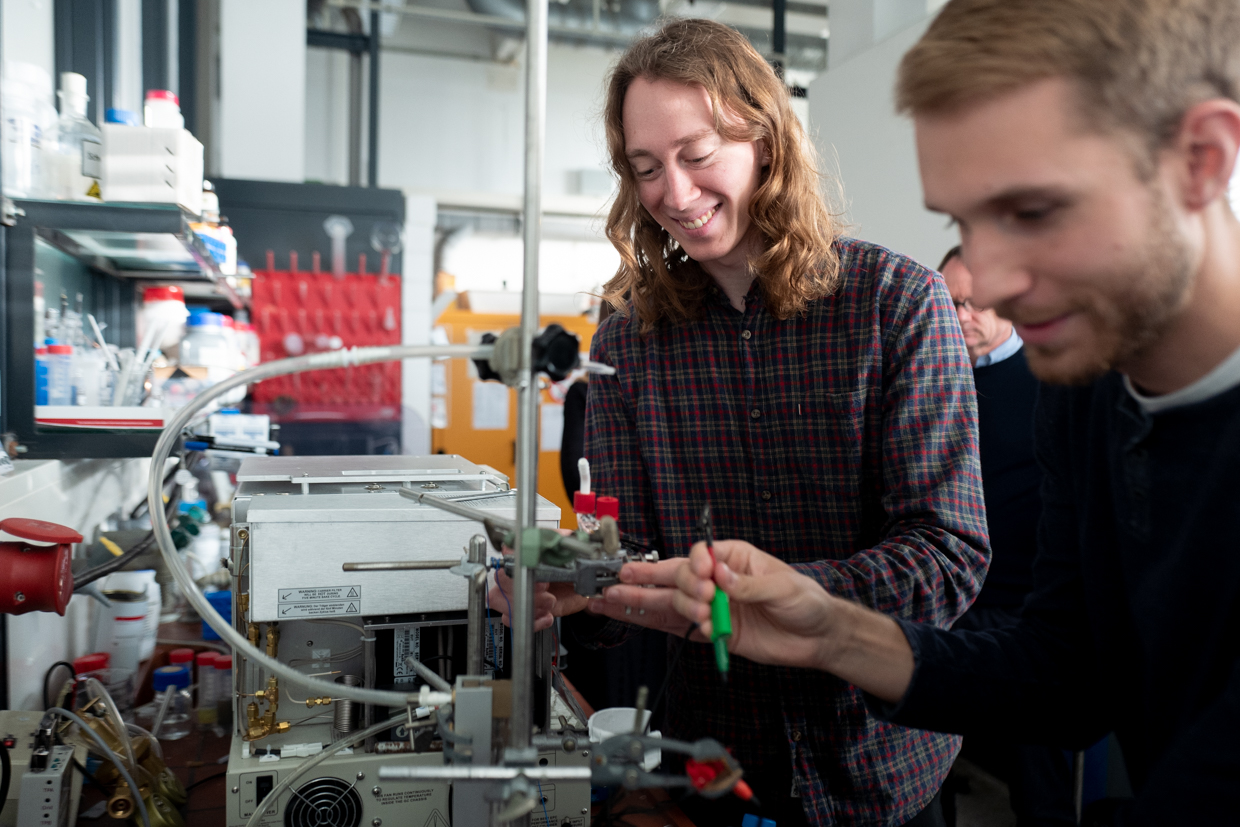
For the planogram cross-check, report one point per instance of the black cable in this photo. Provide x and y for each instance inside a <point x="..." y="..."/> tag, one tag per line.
<point x="6" y="774"/>
<point x="47" y="701"/>
<point x="205" y="780"/>
<point x="667" y="678"/>
<point x="90" y="575"/>
<point x="95" y="781"/>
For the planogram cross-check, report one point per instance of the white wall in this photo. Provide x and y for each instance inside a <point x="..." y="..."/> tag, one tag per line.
<point x="79" y="494"/>
<point x="417" y="286"/>
<point x="262" y="107"/>
<point x="28" y="33"/>
<point x="455" y="124"/>
<point x="853" y="119"/>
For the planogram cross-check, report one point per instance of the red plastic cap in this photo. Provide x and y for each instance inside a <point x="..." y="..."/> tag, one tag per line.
<point x="40" y="531"/>
<point x="583" y="503"/>
<point x="168" y="293"/>
<point x="60" y="350"/>
<point x="206" y="659"/>
<point x="228" y="321"/>
<point x="608" y="507"/>
<point x="41" y="351"/>
<point x="163" y="95"/>
<point x="223" y="662"/>
<point x="91" y="662"/>
<point x="181" y="656"/>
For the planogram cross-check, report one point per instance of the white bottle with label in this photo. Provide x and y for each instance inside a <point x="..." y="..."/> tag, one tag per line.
<point x="79" y="144"/>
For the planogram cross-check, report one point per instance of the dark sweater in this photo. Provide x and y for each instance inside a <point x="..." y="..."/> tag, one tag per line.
<point x="1134" y="621"/>
<point x="1006" y="393"/>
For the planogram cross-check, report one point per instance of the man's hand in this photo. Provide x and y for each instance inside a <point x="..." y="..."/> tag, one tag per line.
<point x="783" y="618"/>
<point x="779" y="616"/>
<point x="635" y="602"/>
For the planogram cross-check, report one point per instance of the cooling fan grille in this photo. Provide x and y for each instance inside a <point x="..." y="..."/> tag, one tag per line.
<point x="324" y="802"/>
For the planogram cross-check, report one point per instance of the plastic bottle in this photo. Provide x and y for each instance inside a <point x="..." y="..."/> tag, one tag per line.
<point x="122" y="116"/>
<point x="224" y="691"/>
<point x="162" y="110"/>
<point x="205" y="343"/>
<point x="92" y="378"/>
<point x="207" y="713"/>
<point x="163" y="308"/>
<point x="41" y="366"/>
<point x="172" y="698"/>
<point x="79" y="144"/>
<point x="29" y="130"/>
<point x="182" y="657"/>
<point x="40" y="311"/>
<point x="60" y="375"/>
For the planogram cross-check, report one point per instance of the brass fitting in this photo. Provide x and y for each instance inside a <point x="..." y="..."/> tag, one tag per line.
<point x="161" y="811"/>
<point x="243" y="604"/>
<point x="273" y="640"/>
<point x="313" y="702"/>
<point x="121" y="804"/>
<point x="260" y="727"/>
<point x="251" y="634"/>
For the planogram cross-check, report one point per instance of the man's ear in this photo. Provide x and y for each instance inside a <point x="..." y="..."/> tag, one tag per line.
<point x="1205" y="151"/>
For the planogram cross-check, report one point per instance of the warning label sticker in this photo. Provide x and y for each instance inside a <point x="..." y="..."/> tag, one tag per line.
<point x="352" y="607"/>
<point x="317" y="594"/>
<point x="321" y="601"/>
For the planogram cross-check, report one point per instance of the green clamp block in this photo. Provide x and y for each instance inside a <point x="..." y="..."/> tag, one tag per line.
<point x="190" y="527"/>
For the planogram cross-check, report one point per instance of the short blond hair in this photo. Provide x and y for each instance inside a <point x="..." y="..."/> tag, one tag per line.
<point x="1137" y="65"/>
<point x="798" y="262"/>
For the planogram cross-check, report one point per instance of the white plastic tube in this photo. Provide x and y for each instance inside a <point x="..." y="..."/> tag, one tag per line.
<point x="583" y="471"/>
<point x="163" y="535"/>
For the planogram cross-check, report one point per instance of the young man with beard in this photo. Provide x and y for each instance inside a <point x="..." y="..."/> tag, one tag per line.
<point x="1085" y="148"/>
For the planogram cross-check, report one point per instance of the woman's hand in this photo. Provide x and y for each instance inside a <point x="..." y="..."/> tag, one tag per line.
<point x="551" y="600"/>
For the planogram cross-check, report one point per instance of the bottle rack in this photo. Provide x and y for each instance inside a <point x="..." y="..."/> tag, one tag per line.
<point x="298" y="312"/>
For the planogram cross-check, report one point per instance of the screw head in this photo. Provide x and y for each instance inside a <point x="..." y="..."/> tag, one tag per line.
<point x="374" y="486"/>
<point x="360" y="776"/>
<point x="585" y="810"/>
<point x="376" y="821"/>
<point x="20" y="597"/>
<point x="430" y="486"/>
<point x="236" y="790"/>
<point x="243" y="534"/>
<point x="585" y="753"/>
<point x="376" y="790"/>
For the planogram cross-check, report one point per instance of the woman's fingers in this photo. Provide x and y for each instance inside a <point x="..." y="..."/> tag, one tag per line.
<point x="662" y="573"/>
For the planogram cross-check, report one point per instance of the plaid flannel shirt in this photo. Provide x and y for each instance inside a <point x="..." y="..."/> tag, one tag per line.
<point x="843" y="441"/>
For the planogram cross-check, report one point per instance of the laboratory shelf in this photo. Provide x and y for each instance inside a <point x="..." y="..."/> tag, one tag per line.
<point x="105" y="253"/>
<point x="137" y="241"/>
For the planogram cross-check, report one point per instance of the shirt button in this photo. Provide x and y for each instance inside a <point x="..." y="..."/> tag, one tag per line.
<point x="745" y="334"/>
<point x="755" y="413"/>
<point x="766" y="495"/>
<point x="796" y="735"/>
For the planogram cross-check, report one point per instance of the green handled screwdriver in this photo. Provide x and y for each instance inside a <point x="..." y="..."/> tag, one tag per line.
<point x="720" y="610"/>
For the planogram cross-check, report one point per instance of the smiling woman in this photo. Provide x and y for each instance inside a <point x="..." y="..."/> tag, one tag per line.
<point x="813" y="389"/>
<point x="717" y="178"/>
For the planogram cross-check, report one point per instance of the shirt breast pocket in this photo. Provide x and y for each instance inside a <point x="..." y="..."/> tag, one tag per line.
<point x="828" y="427"/>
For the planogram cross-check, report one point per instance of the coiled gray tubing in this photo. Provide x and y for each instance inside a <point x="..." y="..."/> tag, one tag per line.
<point x="344" y="721"/>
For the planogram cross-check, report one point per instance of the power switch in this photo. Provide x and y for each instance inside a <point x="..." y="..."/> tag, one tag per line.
<point x="263" y="786"/>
